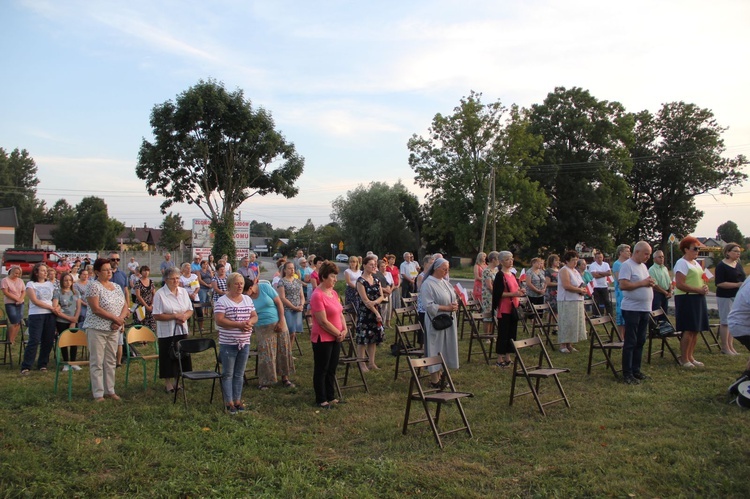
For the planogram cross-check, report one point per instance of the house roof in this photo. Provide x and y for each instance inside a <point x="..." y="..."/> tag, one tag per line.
<point x="8" y="217"/>
<point x="44" y="231"/>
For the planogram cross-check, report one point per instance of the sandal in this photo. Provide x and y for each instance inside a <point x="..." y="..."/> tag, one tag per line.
<point x="42" y="369"/>
<point x="288" y="384"/>
<point x="25" y="372"/>
<point x="325" y="405"/>
<point x="263" y="388"/>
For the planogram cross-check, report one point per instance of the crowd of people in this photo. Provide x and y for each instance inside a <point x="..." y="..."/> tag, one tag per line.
<point x="100" y="297"/>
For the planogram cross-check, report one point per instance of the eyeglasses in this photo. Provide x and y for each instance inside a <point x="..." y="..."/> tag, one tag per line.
<point x="694" y="249"/>
<point x="114" y="259"/>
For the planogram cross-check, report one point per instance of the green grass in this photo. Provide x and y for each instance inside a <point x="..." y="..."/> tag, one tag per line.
<point x="673" y="436"/>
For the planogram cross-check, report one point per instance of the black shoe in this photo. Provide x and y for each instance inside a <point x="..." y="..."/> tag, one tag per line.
<point x="631" y="380"/>
<point x="640" y="376"/>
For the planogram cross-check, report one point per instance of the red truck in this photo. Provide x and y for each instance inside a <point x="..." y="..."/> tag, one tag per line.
<point x="26" y="258"/>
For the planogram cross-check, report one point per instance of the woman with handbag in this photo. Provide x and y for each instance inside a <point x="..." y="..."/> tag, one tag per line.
<point x="505" y="294"/>
<point x="172" y="310"/>
<point x="440" y="305"/>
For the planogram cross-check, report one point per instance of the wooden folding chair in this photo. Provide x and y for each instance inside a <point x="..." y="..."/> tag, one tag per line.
<point x="544" y="321"/>
<point x="409" y="301"/>
<point x="524" y="314"/>
<point x="476" y="323"/>
<point x="405" y="315"/>
<point x="711" y="339"/>
<point x="542" y="370"/>
<point x="591" y="308"/>
<point x="349" y="358"/>
<point x="604" y="336"/>
<point x="662" y="329"/>
<point x="405" y="346"/>
<point x="446" y="394"/>
<point x="464" y="314"/>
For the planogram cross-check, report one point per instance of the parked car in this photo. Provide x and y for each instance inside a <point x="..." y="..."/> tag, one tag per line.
<point x="276" y="256"/>
<point x="342" y="258"/>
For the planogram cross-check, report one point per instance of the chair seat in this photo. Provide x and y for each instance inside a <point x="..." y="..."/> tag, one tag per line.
<point x="547" y="372"/>
<point x="418" y="352"/>
<point x="201" y="375"/>
<point x="613" y="345"/>
<point x="443" y="396"/>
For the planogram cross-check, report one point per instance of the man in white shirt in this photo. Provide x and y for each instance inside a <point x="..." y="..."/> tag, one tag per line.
<point x="409" y="270"/>
<point x="133" y="265"/>
<point x="637" y="294"/>
<point x="600" y="270"/>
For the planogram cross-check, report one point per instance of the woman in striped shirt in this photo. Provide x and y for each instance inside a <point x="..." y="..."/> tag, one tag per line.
<point x="235" y="317"/>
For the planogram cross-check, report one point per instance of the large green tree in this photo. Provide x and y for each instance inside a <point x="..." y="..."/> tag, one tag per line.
<point x="211" y="148"/>
<point x="677" y="155"/>
<point x="454" y="162"/>
<point x="730" y="233"/>
<point x="88" y="227"/>
<point x="58" y="212"/>
<point x="172" y="232"/>
<point x="371" y="219"/>
<point x="18" y="181"/>
<point x="586" y="161"/>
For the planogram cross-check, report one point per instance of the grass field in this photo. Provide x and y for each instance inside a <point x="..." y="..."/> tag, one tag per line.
<point x="673" y="436"/>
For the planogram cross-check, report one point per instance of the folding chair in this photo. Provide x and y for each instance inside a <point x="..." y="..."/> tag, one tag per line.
<point x="405" y="345"/>
<point x="591" y="308"/>
<point x="69" y="338"/>
<point x="543" y="320"/>
<point x="713" y="338"/>
<point x="446" y="394"/>
<point x="604" y="336"/>
<point x="464" y="314"/>
<point x="252" y="358"/>
<point x="524" y="313"/>
<point x="411" y="300"/>
<point x="348" y="359"/>
<point x="476" y="322"/>
<point x="662" y="329"/>
<point x="5" y="341"/>
<point x="542" y="370"/>
<point x="146" y="340"/>
<point x="195" y="346"/>
<point x="23" y="340"/>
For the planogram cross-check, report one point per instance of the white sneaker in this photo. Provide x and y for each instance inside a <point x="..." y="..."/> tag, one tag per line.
<point x="76" y="368"/>
<point x="65" y="368"/>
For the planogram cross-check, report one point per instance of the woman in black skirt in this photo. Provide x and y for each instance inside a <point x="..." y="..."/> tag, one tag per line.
<point x="172" y="310"/>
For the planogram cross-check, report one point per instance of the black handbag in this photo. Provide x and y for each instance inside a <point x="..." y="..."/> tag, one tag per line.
<point x="442" y="321"/>
<point x="662" y="329"/>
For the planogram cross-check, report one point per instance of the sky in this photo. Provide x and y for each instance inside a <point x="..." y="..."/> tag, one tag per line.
<point x="347" y="82"/>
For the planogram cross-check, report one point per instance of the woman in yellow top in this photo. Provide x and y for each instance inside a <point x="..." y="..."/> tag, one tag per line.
<point x="691" y="311"/>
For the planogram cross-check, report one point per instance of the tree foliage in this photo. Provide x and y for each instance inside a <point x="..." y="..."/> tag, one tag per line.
<point x="212" y="149"/>
<point x="453" y="162"/>
<point x="586" y="161"/>
<point x="172" y="232"/>
<point x="58" y="212"/>
<point x="372" y="219"/>
<point x="18" y="181"/>
<point x="678" y="155"/>
<point x="88" y="227"/>
<point x="730" y="233"/>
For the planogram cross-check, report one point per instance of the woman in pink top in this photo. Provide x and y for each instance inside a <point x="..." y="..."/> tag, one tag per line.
<point x="14" y="292"/>
<point x="328" y="330"/>
<point x="505" y="293"/>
